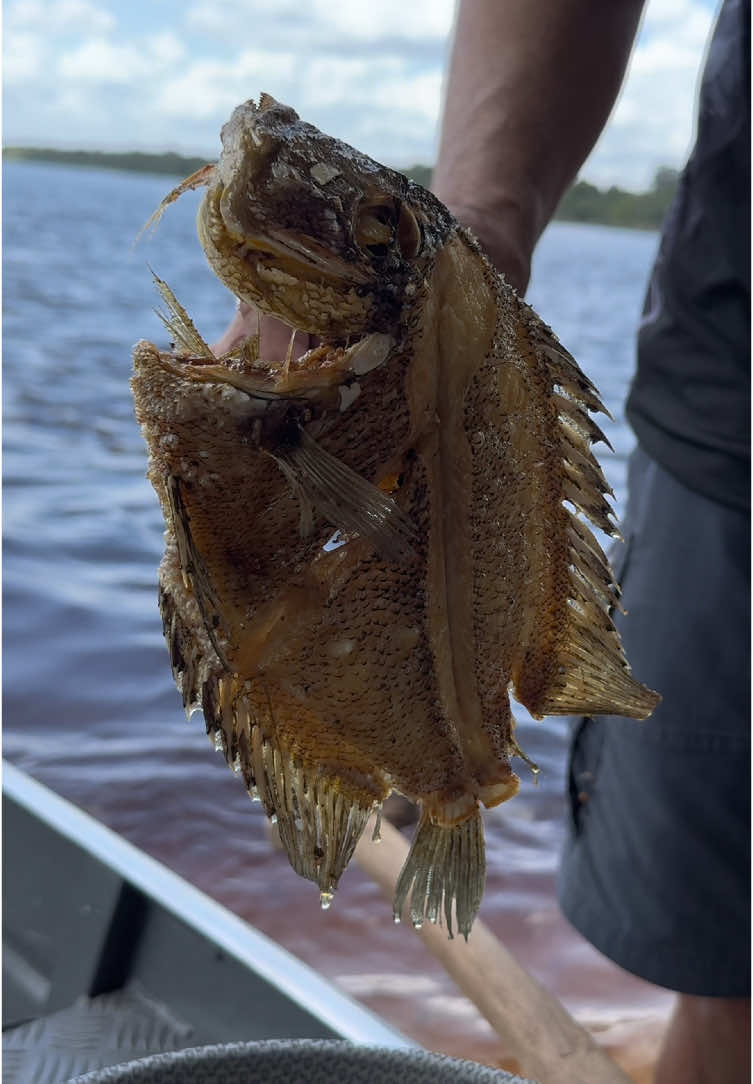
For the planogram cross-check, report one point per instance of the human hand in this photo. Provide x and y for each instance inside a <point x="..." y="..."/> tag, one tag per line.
<point x="274" y="336"/>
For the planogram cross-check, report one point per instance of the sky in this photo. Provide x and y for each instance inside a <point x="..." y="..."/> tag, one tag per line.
<point x="165" y="75"/>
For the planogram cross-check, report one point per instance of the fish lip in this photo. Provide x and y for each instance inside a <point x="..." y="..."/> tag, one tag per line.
<point x="277" y="380"/>
<point x="299" y="253"/>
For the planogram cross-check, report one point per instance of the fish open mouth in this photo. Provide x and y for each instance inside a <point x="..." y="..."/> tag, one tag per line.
<point x="323" y="368"/>
<point x="287" y="274"/>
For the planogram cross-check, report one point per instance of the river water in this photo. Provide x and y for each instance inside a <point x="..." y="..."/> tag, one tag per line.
<point x="89" y="705"/>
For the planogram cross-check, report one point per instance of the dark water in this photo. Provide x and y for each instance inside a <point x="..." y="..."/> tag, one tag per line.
<point x="89" y="705"/>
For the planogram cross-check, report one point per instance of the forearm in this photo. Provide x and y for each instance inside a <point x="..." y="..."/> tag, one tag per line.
<point x="531" y="84"/>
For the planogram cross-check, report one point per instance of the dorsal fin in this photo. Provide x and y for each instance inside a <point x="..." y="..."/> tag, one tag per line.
<point x="590" y="674"/>
<point x="195" y="575"/>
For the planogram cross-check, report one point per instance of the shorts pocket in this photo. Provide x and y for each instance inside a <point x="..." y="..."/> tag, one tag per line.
<point x="583" y="767"/>
<point x="588" y="733"/>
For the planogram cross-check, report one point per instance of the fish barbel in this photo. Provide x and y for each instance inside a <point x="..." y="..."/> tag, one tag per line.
<point x="370" y="546"/>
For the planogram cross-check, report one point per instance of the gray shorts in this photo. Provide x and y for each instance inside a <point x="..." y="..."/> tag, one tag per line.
<point x="656" y="867"/>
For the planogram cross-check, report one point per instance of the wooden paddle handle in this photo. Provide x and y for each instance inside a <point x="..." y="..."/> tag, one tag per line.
<point x="534" y="1026"/>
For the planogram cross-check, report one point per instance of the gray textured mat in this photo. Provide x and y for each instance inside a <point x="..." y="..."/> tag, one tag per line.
<point x="301" y="1061"/>
<point x="92" y="1033"/>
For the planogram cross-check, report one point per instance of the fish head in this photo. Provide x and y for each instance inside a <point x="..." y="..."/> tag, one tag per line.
<point x="314" y="232"/>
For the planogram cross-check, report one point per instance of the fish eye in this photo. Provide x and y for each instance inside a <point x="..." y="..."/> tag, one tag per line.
<point x="382" y="223"/>
<point x="375" y="227"/>
<point x="384" y="213"/>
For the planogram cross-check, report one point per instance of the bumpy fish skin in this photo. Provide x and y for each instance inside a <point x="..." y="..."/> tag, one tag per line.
<point x="438" y="428"/>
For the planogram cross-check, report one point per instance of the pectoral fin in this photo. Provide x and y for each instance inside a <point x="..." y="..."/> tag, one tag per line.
<point x="345" y="499"/>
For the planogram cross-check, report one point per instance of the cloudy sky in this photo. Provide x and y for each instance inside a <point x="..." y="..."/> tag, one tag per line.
<point x="165" y="74"/>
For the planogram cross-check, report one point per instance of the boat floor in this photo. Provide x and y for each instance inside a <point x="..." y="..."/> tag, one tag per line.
<point x="92" y="1034"/>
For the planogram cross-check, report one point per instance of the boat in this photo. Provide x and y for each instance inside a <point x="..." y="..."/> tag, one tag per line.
<point x="117" y="970"/>
<point x="108" y="956"/>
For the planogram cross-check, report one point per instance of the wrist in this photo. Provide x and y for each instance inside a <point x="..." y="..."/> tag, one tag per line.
<point x="503" y="235"/>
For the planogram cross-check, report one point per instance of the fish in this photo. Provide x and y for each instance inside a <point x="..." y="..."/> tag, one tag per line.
<point x="370" y="547"/>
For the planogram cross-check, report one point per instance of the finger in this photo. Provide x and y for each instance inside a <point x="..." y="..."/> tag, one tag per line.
<point x="274" y="336"/>
<point x="275" y="341"/>
<point x="243" y="324"/>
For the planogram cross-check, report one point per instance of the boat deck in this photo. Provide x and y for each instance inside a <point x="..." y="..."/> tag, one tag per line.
<point x="108" y="955"/>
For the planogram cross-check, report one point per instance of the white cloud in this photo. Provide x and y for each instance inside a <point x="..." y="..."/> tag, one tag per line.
<point x="165" y="49"/>
<point x="370" y="73"/>
<point x="211" y="88"/>
<point x="418" y="94"/>
<point x="99" y="60"/>
<point x="57" y="16"/>
<point x="224" y="18"/>
<point x="33" y="31"/>
<point x="323" y="22"/>
<point x="23" y="58"/>
<point x="378" y="105"/>
<point x="653" y="122"/>
<point x="419" y="19"/>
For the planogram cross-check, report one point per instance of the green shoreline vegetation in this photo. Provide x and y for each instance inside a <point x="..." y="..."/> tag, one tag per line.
<point x="584" y="202"/>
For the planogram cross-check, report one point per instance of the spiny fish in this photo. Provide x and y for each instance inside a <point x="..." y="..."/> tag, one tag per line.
<point x="368" y="547"/>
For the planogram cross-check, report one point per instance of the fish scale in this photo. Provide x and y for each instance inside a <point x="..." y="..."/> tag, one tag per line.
<point x="441" y="435"/>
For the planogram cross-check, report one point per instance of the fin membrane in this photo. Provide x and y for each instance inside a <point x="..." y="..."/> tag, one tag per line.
<point x="345" y="499"/>
<point x="202" y="178"/>
<point x="179" y="323"/>
<point x="444" y="873"/>
<point x="591" y="675"/>
<point x="195" y="575"/>
<point x="318" y="819"/>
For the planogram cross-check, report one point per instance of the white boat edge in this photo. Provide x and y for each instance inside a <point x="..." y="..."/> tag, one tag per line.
<point x="251" y="948"/>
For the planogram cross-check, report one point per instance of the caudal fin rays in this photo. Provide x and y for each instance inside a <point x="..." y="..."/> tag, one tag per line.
<point x="443" y="875"/>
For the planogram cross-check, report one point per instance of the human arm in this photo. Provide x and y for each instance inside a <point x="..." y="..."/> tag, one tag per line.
<point x="529" y="88"/>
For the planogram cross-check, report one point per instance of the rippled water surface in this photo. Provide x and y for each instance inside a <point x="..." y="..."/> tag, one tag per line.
<point x="89" y="704"/>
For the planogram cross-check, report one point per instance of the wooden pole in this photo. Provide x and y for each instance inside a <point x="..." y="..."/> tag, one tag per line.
<point x="535" y="1028"/>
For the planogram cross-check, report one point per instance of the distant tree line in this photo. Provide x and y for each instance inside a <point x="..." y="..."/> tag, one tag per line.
<point x="137" y="161"/>
<point x="584" y="202"/>
<point x="613" y="206"/>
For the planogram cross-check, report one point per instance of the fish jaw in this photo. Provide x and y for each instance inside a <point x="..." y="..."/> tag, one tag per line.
<point x="312" y="231"/>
